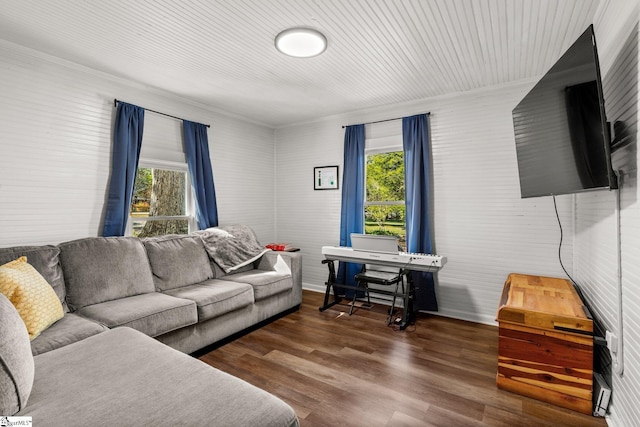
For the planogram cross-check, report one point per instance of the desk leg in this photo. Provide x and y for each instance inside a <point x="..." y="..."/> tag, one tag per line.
<point x="330" y="284"/>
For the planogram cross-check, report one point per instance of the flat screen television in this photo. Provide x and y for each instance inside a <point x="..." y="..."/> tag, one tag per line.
<point x="561" y="131"/>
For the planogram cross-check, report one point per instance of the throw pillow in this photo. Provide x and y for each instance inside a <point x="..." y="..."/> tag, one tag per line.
<point x="34" y="299"/>
<point x="16" y="362"/>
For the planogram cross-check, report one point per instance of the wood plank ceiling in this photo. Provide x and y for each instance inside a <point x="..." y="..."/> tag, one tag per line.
<point x="221" y="52"/>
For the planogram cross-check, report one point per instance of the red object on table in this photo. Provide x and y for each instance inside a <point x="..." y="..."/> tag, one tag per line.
<point x="277" y="246"/>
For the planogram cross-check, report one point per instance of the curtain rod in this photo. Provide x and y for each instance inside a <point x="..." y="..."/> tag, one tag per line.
<point x="115" y="104"/>
<point x="382" y="121"/>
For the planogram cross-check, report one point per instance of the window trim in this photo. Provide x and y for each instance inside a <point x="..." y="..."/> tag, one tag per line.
<point x="385" y="203"/>
<point x="188" y="195"/>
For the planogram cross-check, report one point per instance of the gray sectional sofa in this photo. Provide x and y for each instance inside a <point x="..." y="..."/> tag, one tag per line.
<point x="133" y="308"/>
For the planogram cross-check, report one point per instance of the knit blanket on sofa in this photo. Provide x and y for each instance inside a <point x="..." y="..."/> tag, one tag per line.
<point x="231" y="247"/>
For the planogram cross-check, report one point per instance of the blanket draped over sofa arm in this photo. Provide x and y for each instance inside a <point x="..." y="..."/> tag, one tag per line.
<point x="231" y="247"/>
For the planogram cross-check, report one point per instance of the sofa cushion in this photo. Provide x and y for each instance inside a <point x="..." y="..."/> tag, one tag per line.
<point x="99" y="269"/>
<point x="177" y="261"/>
<point x="45" y="259"/>
<point x="16" y="361"/>
<point x="123" y="377"/>
<point x="69" y="329"/>
<point x="34" y="299"/>
<point x="216" y="297"/>
<point x="264" y="283"/>
<point x="153" y="313"/>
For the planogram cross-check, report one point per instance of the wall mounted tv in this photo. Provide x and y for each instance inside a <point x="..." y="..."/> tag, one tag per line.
<point x="561" y="131"/>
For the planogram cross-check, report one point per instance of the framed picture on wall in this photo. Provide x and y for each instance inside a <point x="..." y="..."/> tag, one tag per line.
<point x="325" y="178"/>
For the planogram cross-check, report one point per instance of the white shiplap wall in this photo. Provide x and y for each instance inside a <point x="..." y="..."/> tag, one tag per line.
<point x="55" y="150"/>
<point x="243" y="157"/>
<point x="596" y="252"/>
<point x="306" y="218"/>
<point x="481" y="224"/>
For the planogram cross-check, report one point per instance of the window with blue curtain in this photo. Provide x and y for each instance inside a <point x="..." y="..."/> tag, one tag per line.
<point x="384" y="206"/>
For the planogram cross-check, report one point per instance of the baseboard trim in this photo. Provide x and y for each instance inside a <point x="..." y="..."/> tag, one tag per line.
<point x="453" y="314"/>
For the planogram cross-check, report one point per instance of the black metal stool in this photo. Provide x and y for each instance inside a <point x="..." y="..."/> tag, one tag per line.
<point x="379" y="275"/>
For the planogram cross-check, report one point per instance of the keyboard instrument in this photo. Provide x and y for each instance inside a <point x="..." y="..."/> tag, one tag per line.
<point x="409" y="261"/>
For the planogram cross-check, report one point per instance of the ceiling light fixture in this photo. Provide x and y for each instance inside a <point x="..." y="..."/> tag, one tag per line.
<point x="301" y="42"/>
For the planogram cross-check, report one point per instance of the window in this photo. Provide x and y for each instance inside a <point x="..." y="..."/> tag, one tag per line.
<point x="384" y="208"/>
<point x="161" y="202"/>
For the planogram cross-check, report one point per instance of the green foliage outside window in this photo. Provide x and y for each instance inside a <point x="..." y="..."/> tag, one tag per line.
<point x="384" y="208"/>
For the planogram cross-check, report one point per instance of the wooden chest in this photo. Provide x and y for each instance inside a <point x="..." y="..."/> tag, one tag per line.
<point x="546" y="342"/>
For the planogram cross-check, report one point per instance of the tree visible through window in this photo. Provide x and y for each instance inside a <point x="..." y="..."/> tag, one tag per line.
<point x="384" y="205"/>
<point x="159" y="203"/>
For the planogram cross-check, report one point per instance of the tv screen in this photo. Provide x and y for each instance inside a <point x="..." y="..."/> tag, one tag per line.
<point x="561" y="132"/>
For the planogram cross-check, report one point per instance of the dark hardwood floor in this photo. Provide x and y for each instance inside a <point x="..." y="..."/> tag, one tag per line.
<point x="341" y="370"/>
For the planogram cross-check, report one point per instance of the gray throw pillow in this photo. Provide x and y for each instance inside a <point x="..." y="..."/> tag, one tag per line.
<point x="16" y="361"/>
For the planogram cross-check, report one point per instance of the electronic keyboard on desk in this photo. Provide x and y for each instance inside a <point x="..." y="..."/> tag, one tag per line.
<point x="410" y="261"/>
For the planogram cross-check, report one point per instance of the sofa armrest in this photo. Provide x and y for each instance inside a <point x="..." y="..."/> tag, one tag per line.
<point x="277" y="261"/>
<point x="270" y="259"/>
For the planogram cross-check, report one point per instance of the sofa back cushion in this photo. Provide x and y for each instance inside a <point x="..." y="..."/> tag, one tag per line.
<point x="99" y="269"/>
<point x="16" y="362"/>
<point x="45" y="259"/>
<point x="177" y="261"/>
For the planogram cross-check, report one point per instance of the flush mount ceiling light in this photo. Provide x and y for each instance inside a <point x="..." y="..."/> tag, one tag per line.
<point x="301" y="42"/>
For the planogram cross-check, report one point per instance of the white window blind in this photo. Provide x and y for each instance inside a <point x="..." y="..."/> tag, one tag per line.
<point x="162" y="139"/>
